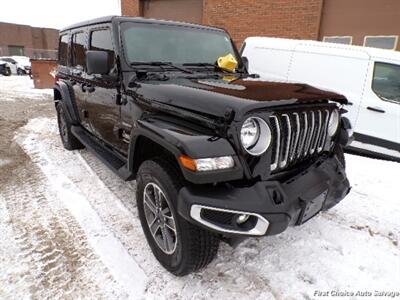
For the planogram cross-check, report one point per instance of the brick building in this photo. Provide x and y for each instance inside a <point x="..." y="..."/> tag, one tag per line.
<point x="28" y="41"/>
<point x="359" y="22"/>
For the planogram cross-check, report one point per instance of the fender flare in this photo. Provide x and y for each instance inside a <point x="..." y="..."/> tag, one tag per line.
<point x="179" y="144"/>
<point x="67" y="100"/>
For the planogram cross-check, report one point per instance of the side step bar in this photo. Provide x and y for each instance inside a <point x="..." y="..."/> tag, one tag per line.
<point x="117" y="164"/>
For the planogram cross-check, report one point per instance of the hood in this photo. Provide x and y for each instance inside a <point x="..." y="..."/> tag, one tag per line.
<point x="215" y="96"/>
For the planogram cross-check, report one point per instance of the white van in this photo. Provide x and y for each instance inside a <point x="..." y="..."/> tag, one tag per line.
<point x="368" y="77"/>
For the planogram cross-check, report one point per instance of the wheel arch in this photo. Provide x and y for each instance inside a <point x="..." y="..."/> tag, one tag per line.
<point x="145" y="147"/>
<point x="63" y="93"/>
<point x="152" y="139"/>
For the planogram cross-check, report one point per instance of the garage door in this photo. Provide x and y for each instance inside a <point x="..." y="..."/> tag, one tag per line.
<point x="178" y="10"/>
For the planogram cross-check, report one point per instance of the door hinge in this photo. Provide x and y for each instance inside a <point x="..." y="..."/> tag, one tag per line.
<point x="122" y="135"/>
<point x="126" y="137"/>
<point x="121" y="99"/>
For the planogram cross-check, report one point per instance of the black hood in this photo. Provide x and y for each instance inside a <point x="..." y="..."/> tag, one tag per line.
<point x="215" y="96"/>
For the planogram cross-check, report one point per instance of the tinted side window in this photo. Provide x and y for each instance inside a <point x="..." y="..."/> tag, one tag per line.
<point x="63" y="50"/>
<point x="79" y="50"/>
<point x="386" y="82"/>
<point x="101" y="40"/>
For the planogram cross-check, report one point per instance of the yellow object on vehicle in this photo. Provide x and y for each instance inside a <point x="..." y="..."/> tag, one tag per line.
<point x="228" y="63"/>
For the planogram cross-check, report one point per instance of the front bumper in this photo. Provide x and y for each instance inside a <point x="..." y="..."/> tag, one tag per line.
<point x="270" y="206"/>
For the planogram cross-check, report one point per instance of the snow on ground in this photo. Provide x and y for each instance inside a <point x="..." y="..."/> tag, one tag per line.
<point x="70" y="229"/>
<point x="14" y="88"/>
<point x="352" y="247"/>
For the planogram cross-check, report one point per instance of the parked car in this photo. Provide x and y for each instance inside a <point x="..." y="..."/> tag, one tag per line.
<point x="18" y="66"/>
<point x="217" y="155"/>
<point x="24" y="62"/>
<point x="5" y="68"/>
<point x="368" y="77"/>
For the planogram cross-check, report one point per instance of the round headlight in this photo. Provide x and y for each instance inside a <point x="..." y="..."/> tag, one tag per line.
<point x="255" y="136"/>
<point x="333" y="123"/>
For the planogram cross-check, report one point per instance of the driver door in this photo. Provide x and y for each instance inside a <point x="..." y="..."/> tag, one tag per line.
<point x="102" y="92"/>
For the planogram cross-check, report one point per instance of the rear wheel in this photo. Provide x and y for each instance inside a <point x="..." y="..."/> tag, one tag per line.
<point x="178" y="245"/>
<point x="69" y="141"/>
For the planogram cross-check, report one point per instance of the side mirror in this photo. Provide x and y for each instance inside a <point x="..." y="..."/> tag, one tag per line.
<point x="97" y="62"/>
<point x="245" y="61"/>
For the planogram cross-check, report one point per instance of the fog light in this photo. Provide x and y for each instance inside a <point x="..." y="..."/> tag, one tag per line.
<point x="242" y="219"/>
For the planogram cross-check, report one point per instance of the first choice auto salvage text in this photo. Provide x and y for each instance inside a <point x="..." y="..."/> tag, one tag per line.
<point x="337" y="293"/>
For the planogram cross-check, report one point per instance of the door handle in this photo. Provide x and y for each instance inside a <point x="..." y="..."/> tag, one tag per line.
<point x="376" y="109"/>
<point x="88" y="88"/>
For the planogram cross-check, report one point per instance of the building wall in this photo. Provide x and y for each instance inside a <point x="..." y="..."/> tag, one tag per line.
<point x="292" y="19"/>
<point x="300" y="19"/>
<point x="37" y="42"/>
<point x="358" y="18"/>
<point x="131" y="8"/>
<point x="276" y="18"/>
<point x="179" y="10"/>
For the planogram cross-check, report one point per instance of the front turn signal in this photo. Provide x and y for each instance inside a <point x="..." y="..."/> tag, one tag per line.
<point x="188" y="163"/>
<point x="207" y="164"/>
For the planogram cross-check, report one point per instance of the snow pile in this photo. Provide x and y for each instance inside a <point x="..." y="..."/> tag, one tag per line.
<point x="15" y="88"/>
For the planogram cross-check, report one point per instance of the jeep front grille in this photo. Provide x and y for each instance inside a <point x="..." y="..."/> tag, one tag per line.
<point x="297" y="135"/>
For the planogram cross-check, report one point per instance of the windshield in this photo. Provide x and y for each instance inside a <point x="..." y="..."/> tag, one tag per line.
<point x="7" y="59"/>
<point x="175" y="44"/>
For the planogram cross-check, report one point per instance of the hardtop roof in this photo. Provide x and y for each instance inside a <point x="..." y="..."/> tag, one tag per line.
<point x="109" y="19"/>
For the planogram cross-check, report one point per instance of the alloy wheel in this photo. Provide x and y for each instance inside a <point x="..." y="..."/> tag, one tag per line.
<point x="159" y="217"/>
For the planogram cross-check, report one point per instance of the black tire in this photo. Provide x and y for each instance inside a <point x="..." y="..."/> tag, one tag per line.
<point x="20" y="72"/>
<point x="70" y="142"/>
<point x="195" y="247"/>
<point x="340" y="155"/>
<point x="7" y="71"/>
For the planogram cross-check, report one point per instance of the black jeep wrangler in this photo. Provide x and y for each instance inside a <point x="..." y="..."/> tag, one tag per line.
<point x="217" y="154"/>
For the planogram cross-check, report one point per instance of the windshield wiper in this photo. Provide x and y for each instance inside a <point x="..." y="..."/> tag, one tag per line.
<point x="161" y="64"/>
<point x="200" y="64"/>
<point x="215" y="66"/>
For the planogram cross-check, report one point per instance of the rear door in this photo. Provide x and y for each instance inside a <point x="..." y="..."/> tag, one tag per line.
<point x="78" y="73"/>
<point x="379" y="118"/>
<point x="103" y="90"/>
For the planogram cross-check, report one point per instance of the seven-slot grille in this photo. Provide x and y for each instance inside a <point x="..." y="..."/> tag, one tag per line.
<point x="297" y="135"/>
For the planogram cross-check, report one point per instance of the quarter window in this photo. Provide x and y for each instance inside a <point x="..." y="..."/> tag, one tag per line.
<point x="346" y="40"/>
<point x="101" y="41"/>
<point x="79" y="50"/>
<point x="384" y="42"/>
<point x="63" y="50"/>
<point x="386" y="82"/>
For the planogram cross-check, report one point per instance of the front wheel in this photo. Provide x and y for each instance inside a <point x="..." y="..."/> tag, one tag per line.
<point x="20" y="72"/>
<point x="178" y="245"/>
<point x="340" y="155"/>
<point x="7" y="71"/>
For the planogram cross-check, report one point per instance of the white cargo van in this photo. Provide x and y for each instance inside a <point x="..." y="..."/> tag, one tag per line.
<point x="368" y="77"/>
